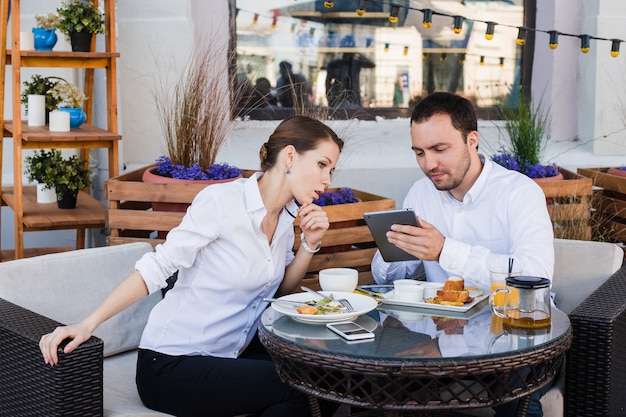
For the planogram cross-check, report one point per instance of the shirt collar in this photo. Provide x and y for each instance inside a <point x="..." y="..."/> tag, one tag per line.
<point x="254" y="202"/>
<point x="481" y="181"/>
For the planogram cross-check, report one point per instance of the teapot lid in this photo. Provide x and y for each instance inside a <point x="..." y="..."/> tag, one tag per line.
<point x="527" y="282"/>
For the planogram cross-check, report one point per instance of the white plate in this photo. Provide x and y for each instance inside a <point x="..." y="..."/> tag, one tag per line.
<point x="476" y="294"/>
<point x="361" y="303"/>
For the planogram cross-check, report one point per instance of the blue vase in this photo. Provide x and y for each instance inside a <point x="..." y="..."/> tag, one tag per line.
<point x="77" y="116"/>
<point x="45" y="39"/>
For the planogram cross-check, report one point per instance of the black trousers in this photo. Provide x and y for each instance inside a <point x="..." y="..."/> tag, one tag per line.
<point x="195" y="386"/>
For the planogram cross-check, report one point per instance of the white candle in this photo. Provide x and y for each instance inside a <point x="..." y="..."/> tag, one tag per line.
<point x="59" y="121"/>
<point x="27" y="41"/>
<point x="36" y="110"/>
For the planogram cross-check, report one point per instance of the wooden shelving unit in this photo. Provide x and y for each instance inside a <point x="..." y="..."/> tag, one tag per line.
<point x="28" y="214"/>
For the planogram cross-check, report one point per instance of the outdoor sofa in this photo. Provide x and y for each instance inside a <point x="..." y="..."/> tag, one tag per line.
<point x="98" y="378"/>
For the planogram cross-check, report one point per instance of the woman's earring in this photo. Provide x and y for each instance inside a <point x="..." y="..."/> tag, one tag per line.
<point x="288" y="170"/>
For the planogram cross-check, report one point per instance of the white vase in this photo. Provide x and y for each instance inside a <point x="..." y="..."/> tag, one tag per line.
<point x="46" y="196"/>
<point x="36" y="110"/>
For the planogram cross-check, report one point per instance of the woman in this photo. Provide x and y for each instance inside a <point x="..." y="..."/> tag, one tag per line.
<point x="232" y="249"/>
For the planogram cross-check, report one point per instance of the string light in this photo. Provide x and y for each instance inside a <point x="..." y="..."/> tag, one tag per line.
<point x="443" y="57"/>
<point x="462" y="59"/>
<point x="393" y="15"/>
<point x="428" y="18"/>
<point x="482" y="61"/>
<point x="501" y="64"/>
<point x="423" y="56"/>
<point x="361" y="10"/>
<point x="312" y="32"/>
<point x="554" y="39"/>
<point x="386" y="47"/>
<point x="584" y="43"/>
<point x="405" y="52"/>
<point x="615" y="47"/>
<point x="458" y="24"/>
<point x="521" y="36"/>
<point x="491" y="27"/>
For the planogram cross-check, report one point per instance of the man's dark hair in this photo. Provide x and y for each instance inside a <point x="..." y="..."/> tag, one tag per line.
<point x="459" y="109"/>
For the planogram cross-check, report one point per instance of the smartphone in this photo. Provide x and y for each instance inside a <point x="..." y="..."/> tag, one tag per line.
<point x="349" y="330"/>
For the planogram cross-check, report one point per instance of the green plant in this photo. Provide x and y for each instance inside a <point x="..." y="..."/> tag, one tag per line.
<point x="72" y="175"/>
<point x="43" y="166"/>
<point x="526" y="126"/>
<point x="47" y="21"/>
<point x="41" y="86"/>
<point x="80" y="16"/>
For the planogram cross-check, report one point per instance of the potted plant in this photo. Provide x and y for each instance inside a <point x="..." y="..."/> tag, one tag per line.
<point x="525" y="126"/>
<point x="194" y="119"/>
<point x="71" y="176"/>
<point x="337" y="196"/>
<point x="43" y="167"/>
<point x="80" y="20"/>
<point x="71" y="100"/>
<point x="39" y="85"/>
<point x="44" y="34"/>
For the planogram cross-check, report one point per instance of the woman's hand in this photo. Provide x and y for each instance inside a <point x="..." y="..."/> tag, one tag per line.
<point x="49" y="343"/>
<point x="314" y="223"/>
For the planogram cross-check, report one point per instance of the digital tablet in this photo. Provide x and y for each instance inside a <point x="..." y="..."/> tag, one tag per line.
<point x="379" y="223"/>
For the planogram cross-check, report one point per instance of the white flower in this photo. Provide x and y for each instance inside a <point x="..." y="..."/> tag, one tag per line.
<point x="69" y="94"/>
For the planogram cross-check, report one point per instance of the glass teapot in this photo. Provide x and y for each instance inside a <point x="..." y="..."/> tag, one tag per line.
<point x="526" y="302"/>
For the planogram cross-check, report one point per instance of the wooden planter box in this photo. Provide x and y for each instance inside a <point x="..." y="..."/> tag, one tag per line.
<point x="568" y="202"/>
<point x="609" y="201"/>
<point x="131" y="218"/>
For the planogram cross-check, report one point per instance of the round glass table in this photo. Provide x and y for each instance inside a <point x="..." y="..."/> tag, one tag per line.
<point x="420" y="359"/>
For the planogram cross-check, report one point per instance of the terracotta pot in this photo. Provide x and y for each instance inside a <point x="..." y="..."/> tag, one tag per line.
<point x="616" y="171"/>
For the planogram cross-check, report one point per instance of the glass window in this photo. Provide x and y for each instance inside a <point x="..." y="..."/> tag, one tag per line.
<point x="306" y="55"/>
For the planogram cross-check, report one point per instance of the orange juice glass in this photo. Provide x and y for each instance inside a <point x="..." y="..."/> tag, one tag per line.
<point x="498" y="278"/>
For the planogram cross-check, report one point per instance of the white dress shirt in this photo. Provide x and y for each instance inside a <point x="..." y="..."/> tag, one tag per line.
<point x="503" y="215"/>
<point x="226" y="267"/>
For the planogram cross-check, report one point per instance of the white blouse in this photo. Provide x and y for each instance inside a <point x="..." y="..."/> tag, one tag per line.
<point x="226" y="267"/>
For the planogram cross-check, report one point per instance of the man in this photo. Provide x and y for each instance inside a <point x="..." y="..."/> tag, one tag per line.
<point x="474" y="214"/>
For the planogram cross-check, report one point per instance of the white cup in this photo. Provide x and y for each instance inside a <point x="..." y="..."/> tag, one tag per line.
<point x="339" y="279"/>
<point x="431" y="288"/>
<point x="27" y="41"/>
<point x="408" y="290"/>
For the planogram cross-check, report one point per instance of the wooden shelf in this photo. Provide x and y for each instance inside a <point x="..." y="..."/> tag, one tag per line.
<point x="41" y="135"/>
<point x="28" y="214"/>
<point x="89" y="212"/>
<point x="64" y="59"/>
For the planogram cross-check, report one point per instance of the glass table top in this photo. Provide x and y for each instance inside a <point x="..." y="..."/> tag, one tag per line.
<point x="413" y="333"/>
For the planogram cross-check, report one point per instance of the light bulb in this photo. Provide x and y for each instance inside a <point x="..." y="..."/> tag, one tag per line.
<point x="458" y="24"/>
<point x="554" y="39"/>
<point x="482" y="60"/>
<point x="393" y="16"/>
<point x="428" y="18"/>
<point x="615" y="47"/>
<point x="361" y="10"/>
<point x="521" y="36"/>
<point x="491" y="27"/>
<point x="329" y="4"/>
<point x="584" y="43"/>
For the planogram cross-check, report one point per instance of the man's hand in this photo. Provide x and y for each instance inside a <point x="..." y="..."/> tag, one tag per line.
<point x="424" y="242"/>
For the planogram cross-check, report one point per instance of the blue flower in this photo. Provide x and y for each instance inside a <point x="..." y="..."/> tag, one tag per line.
<point x="223" y="171"/>
<point x="341" y="196"/>
<point x="515" y="163"/>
